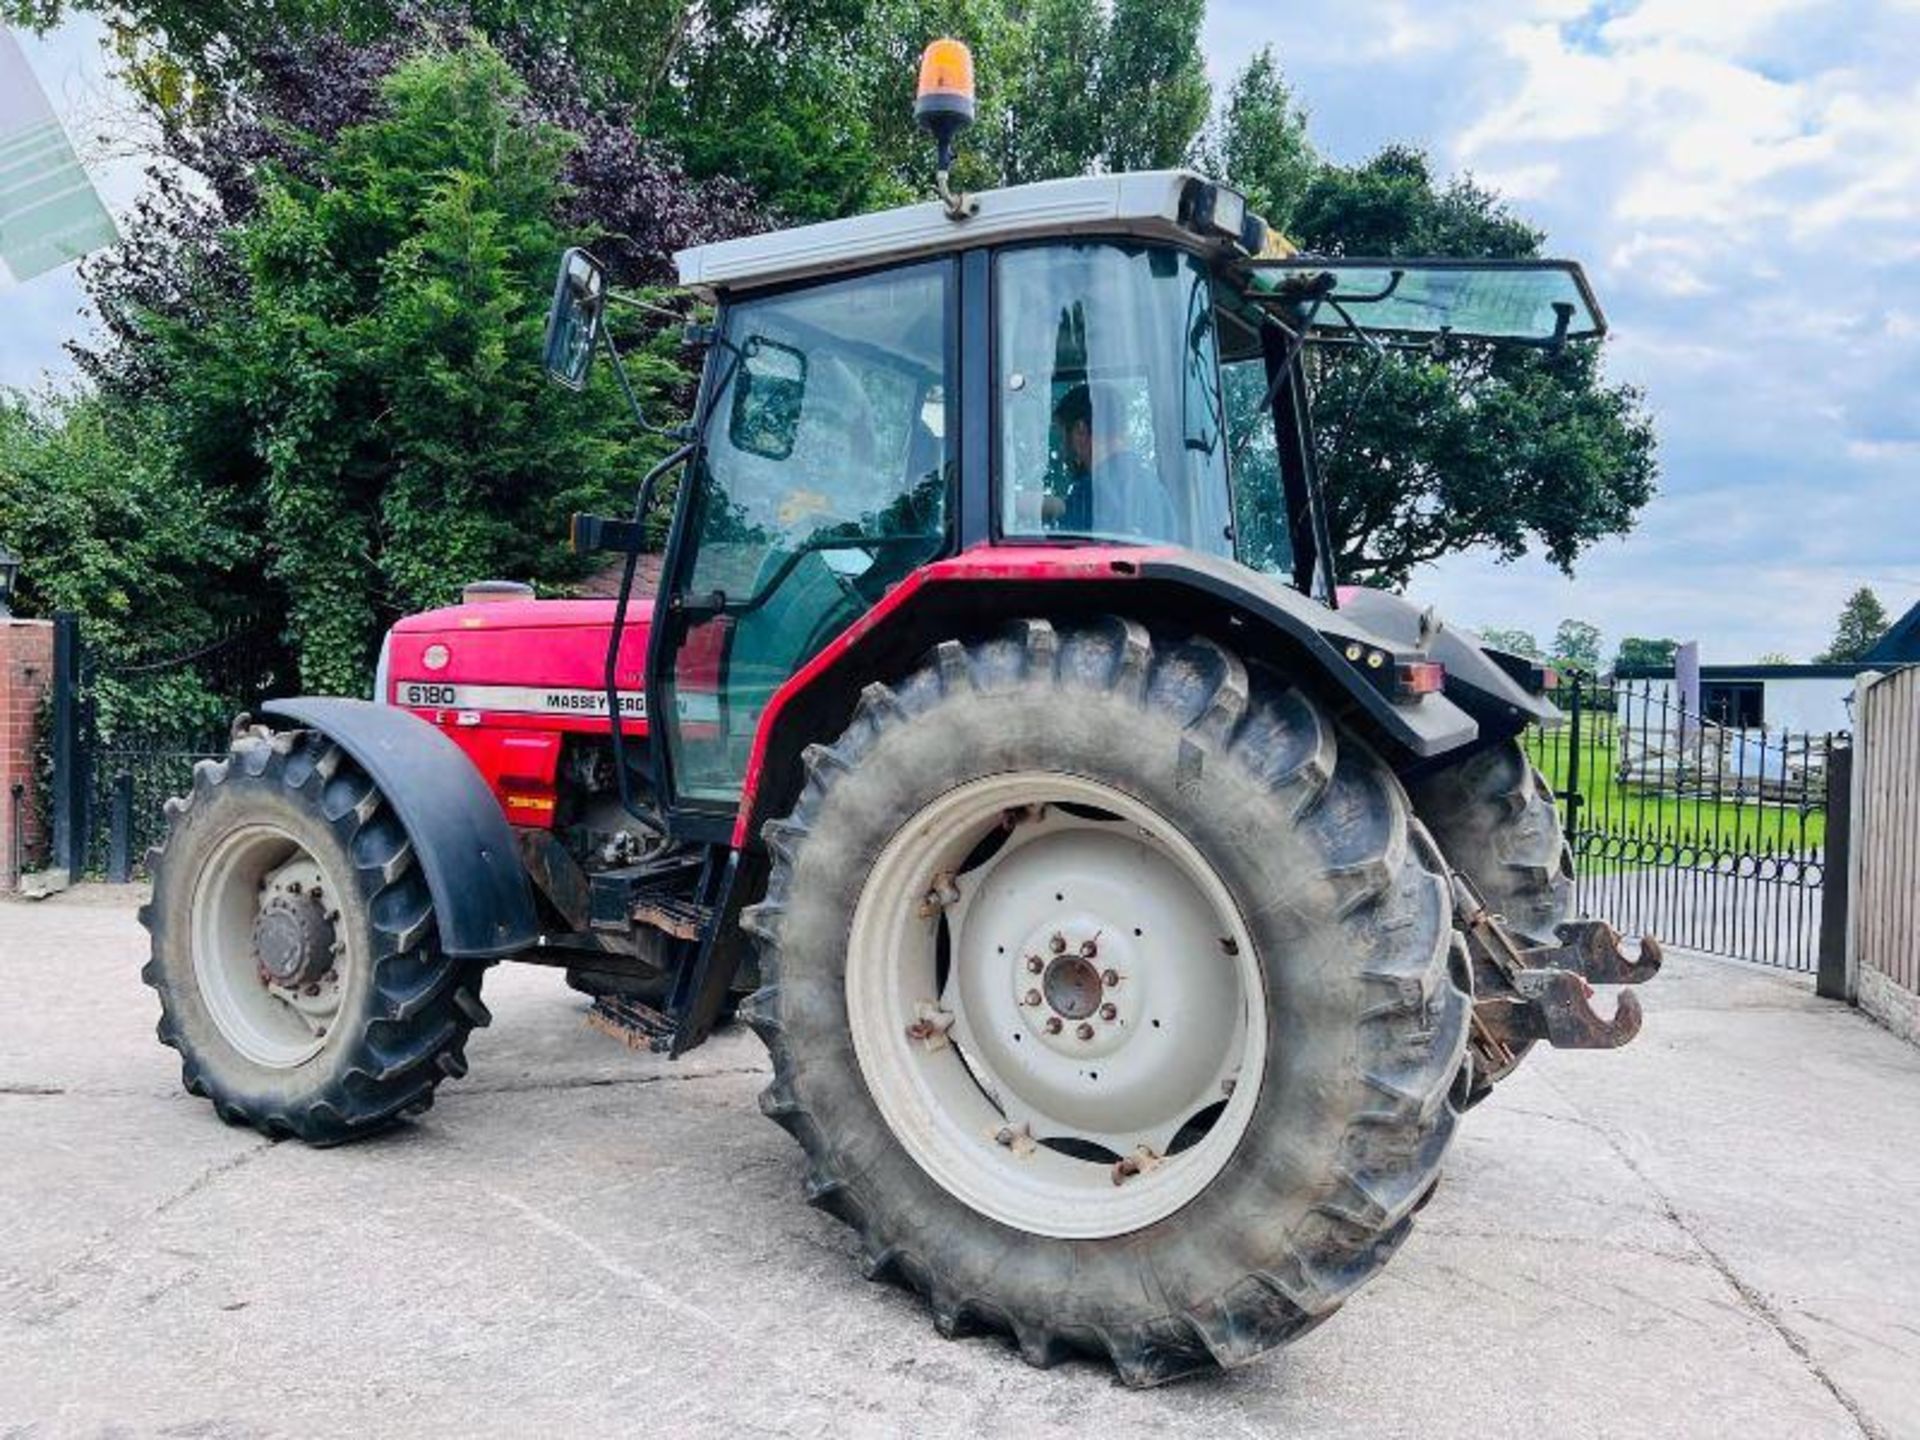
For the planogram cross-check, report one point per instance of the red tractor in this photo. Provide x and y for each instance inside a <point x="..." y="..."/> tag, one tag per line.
<point x="1129" y="910"/>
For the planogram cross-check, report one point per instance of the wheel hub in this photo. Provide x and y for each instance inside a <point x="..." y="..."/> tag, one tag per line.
<point x="1072" y="987"/>
<point x="293" y="939"/>
<point x="269" y="954"/>
<point x="1079" y="981"/>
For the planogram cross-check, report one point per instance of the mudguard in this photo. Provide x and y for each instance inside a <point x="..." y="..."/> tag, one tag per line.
<point x="1475" y="681"/>
<point x="481" y="901"/>
<point x="1249" y="611"/>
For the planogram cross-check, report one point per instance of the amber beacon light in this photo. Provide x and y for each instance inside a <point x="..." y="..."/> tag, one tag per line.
<point x="943" y="104"/>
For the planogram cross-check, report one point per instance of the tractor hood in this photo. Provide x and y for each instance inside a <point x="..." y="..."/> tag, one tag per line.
<point x="540" y="662"/>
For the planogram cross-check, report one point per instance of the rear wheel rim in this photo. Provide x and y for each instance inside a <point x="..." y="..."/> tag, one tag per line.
<point x="1056" y="1005"/>
<point x="283" y="1021"/>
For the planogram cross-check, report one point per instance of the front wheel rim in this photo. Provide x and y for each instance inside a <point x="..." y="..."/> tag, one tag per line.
<point x="1056" y="1005"/>
<point x="270" y="961"/>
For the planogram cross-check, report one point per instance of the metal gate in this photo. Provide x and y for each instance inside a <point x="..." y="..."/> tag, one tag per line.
<point x="109" y="784"/>
<point x="1711" y="835"/>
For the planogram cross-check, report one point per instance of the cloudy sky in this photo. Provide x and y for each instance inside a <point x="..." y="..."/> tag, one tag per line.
<point x="1742" y="178"/>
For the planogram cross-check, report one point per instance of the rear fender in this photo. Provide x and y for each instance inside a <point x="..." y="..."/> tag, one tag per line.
<point x="481" y="901"/>
<point x="1476" y="682"/>
<point x="976" y="590"/>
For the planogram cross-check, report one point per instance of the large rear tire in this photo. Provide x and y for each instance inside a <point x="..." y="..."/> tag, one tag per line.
<point x="1272" y="1002"/>
<point x="294" y="948"/>
<point x="1494" y="818"/>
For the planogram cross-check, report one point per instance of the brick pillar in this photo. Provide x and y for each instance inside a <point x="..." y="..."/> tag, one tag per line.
<point x="26" y="673"/>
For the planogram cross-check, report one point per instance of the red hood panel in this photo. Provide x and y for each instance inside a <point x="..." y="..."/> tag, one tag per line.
<point x="535" y="664"/>
<point x="520" y="614"/>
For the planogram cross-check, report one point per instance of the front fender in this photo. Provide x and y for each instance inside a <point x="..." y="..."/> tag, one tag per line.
<point x="481" y="902"/>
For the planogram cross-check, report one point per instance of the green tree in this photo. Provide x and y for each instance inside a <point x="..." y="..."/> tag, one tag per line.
<point x="151" y="558"/>
<point x="1863" y="620"/>
<point x="1054" y="123"/>
<point x="336" y="395"/>
<point x="1432" y="452"/>
<point x="1261" y="142"/>
<point x="394" y="307"/>
<point x="1514" y="642"/>
<point x="1576" y="646"/>
<point x="1638" y="651"/>
<point x="1153" y="83"/>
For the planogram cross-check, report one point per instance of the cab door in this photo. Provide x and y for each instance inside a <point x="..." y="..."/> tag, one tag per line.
<point x="825" y="478"/>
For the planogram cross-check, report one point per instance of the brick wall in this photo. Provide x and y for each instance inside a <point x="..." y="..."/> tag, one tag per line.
<point x="26" y="671"/>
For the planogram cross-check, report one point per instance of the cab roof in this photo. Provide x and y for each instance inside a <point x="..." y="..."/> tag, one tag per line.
<point x="1150" y="204"/>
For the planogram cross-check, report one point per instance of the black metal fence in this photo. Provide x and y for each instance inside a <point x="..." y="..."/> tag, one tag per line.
<point x="109" y="784"/>
<point x="1711" y="835"/>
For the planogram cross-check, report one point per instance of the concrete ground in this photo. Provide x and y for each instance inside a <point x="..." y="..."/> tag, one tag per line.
<point x="1713" y="1232"/>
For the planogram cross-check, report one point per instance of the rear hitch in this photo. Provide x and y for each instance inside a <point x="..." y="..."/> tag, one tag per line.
<point x="1527" y="994"/>
<point x="1559" y="1010"/>
<point x="1592" y="950"/>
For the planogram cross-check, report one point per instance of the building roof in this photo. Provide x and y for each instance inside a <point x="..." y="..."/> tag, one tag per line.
<point x="1900" y="645"/>
<point x="1147" y="203"/>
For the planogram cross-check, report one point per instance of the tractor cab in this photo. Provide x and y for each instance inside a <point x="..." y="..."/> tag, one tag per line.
<point x="1108" y="361"/>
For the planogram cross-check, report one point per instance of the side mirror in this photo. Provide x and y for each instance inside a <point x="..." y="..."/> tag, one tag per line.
<point x="767" y="395"/>
<point x="573" y="324"/>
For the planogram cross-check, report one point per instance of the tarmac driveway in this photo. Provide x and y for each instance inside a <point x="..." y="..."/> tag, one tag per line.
<point x="1713" y="1232"/>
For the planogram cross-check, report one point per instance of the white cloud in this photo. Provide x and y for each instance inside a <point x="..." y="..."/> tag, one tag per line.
<point x="1721" y="26"/>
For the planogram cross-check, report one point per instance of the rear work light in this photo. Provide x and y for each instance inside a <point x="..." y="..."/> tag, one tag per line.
<point x="1414" y="678"/>
<point x="1220" y="210"/>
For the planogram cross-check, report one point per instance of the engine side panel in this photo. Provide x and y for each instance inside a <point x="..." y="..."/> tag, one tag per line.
<point x="507" y="681"/>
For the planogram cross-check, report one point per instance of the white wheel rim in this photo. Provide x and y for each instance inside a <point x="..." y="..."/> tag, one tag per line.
<point x="1161" y="1025"/>
<point x="272" y="1024"/>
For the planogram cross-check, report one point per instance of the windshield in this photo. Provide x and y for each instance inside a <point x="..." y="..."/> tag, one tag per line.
<point x="1111" y="425"/>
<point x="1541" y="302"/>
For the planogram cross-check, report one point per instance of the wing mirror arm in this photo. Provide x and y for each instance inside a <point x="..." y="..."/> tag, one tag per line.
<point x="635" y="538"/>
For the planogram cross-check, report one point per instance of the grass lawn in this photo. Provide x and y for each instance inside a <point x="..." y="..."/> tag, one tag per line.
<point x="1610" y="806"/>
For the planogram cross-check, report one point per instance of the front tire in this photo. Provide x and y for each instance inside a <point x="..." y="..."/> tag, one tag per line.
<point x="1280" y="857"/>
<point x="294" y="949"/>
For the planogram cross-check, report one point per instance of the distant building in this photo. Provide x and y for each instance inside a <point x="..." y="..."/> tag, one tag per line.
<point x="1773" y="698"/>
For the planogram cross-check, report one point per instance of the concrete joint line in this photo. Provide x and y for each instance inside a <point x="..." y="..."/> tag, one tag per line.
<point x="1750" y="1298"/>
<point x="605" y="1082"/>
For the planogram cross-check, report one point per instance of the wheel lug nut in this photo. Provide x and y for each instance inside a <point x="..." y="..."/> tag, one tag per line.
<point x="1035" y="964"/>
<point x="1109" y="977"/>
<point x="1032" y="997"/>
<point x="1088" y="949"/>
<point x="1058" y="943"/>
<point x="1109" y="1012"/>
<point x="1085" y="1032"/>
<point x="1053" y="1025"/>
